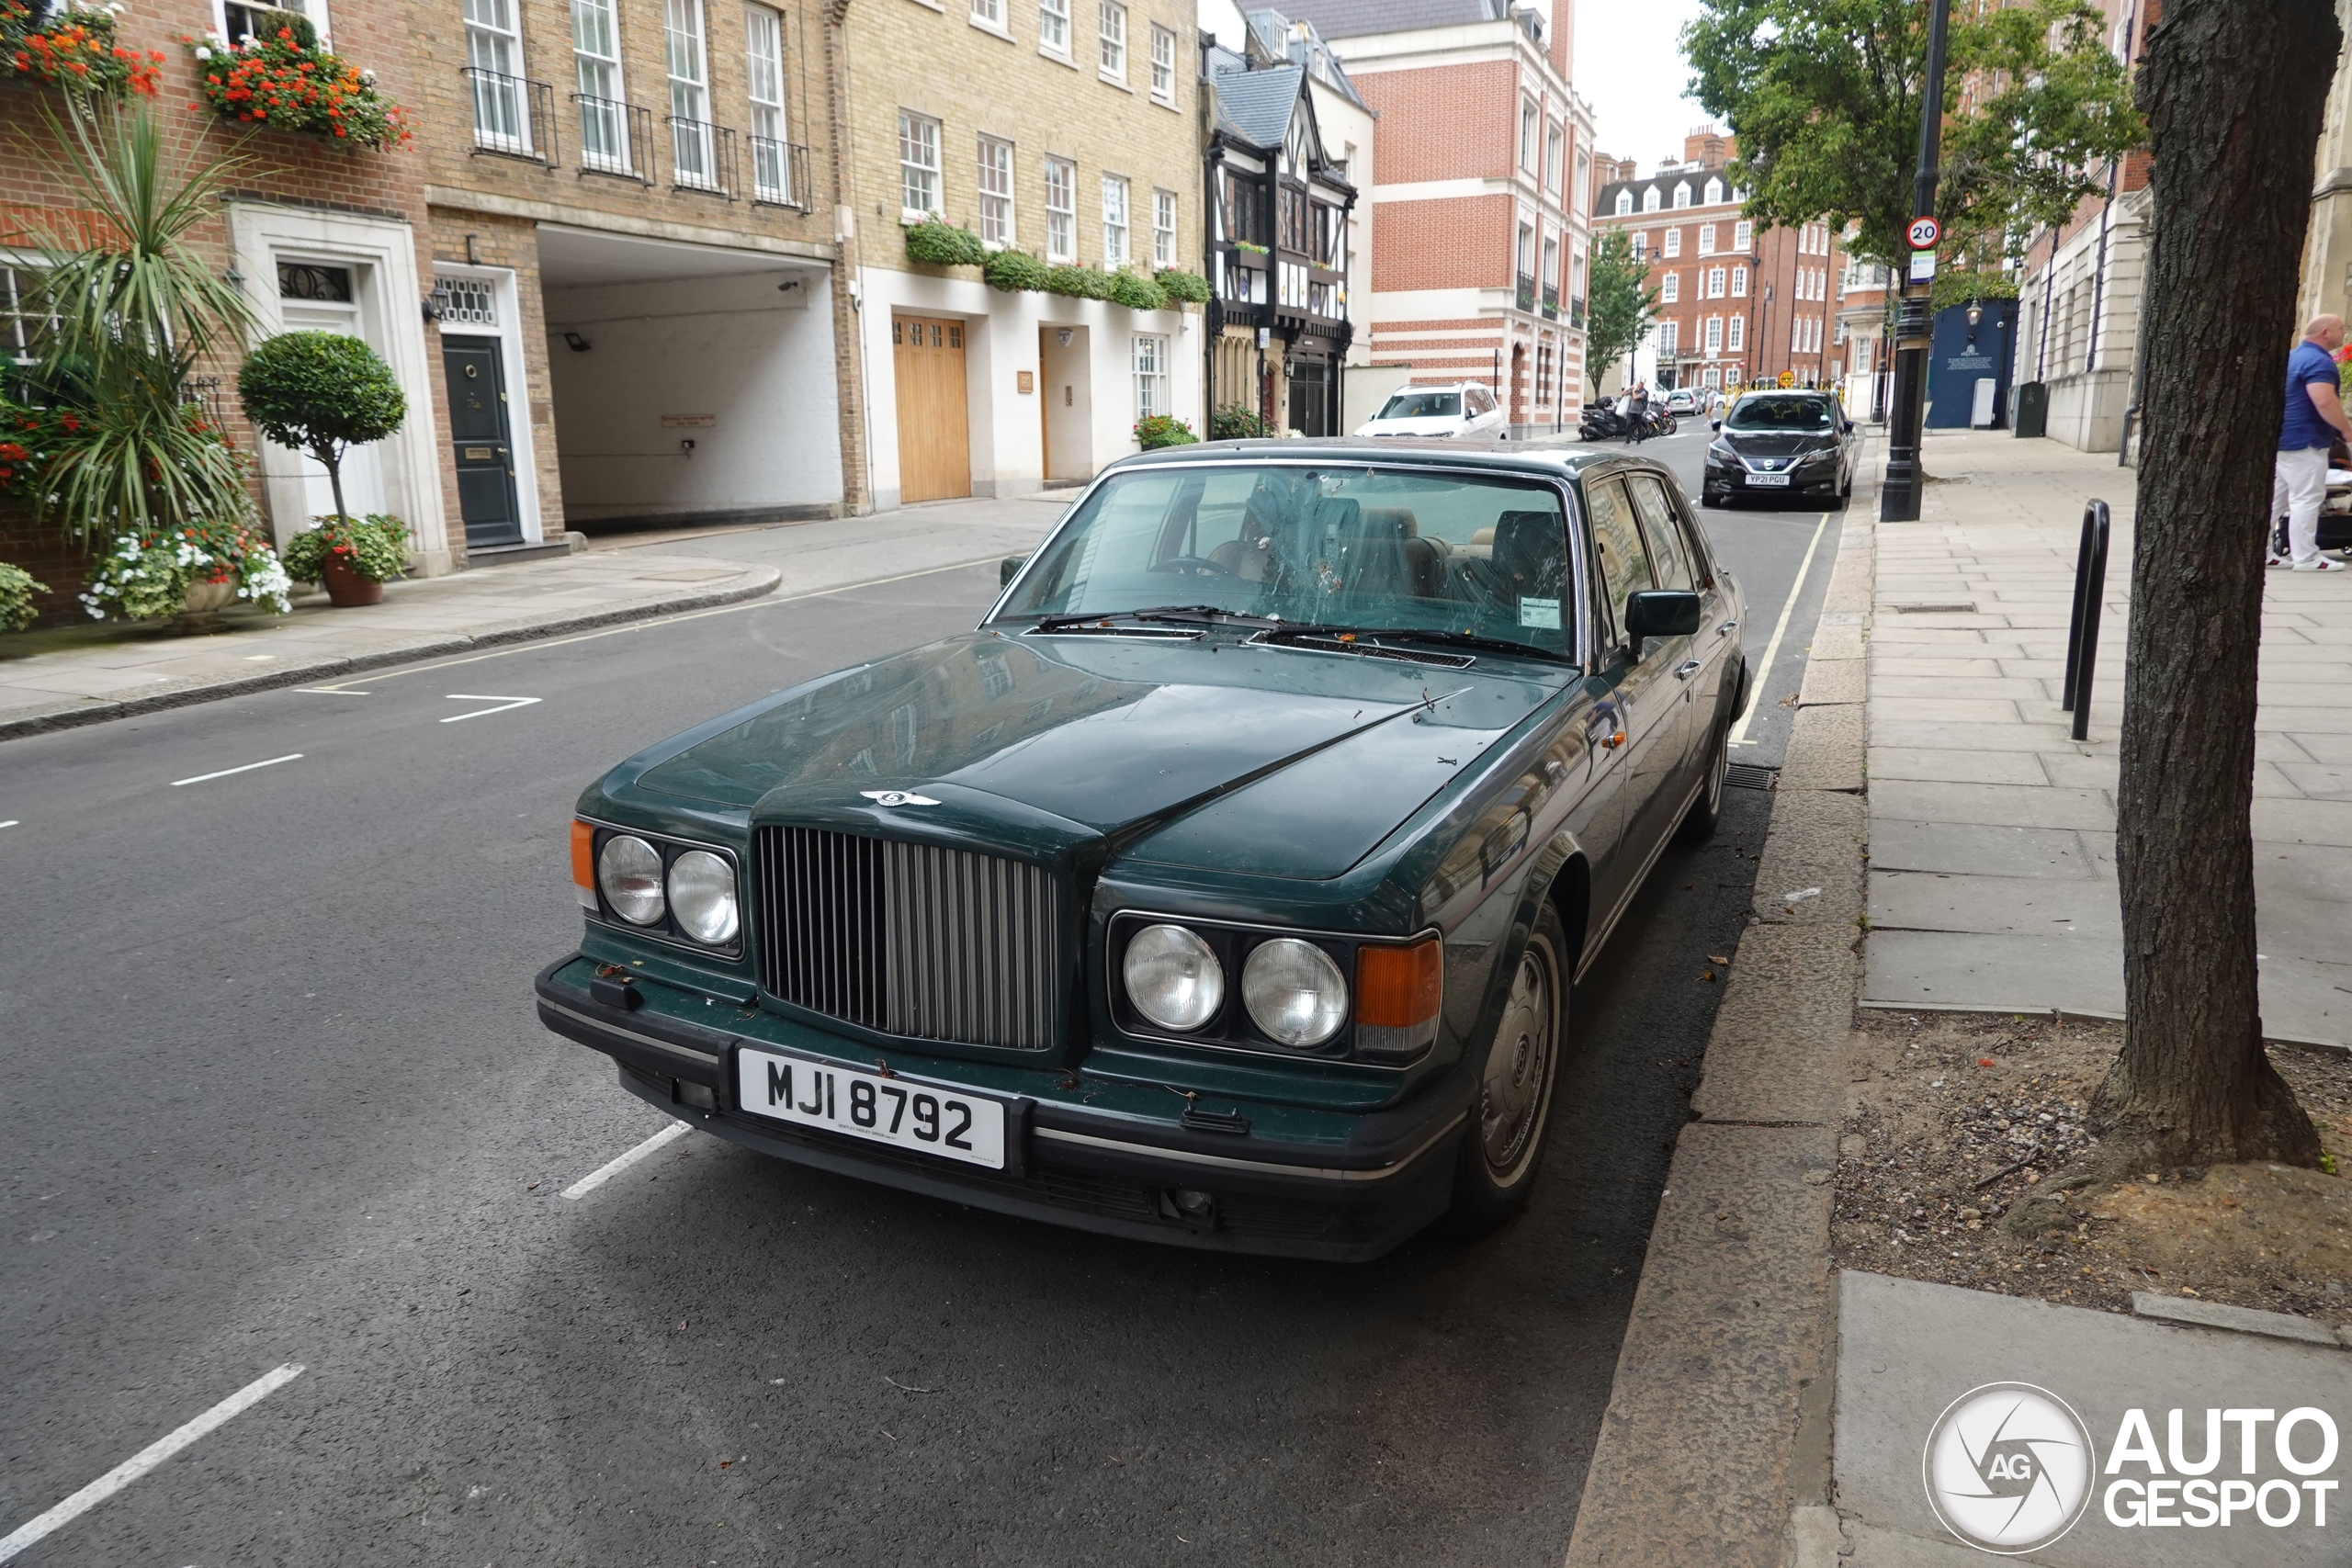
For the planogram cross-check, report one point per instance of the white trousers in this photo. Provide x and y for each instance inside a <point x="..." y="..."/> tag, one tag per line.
<point x="2298" y="487"/>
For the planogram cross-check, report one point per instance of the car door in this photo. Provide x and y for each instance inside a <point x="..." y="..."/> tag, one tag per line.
<point x="1696" y="661"/>
<point x="1647" y="701"/>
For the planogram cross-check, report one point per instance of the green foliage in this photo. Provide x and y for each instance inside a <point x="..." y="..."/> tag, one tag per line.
<point x="1078" y="282"/>
<point x="17" y="591"/>
<point x="1014" y="271"/>
<point x="147" y="575"/>
<point x="322" y="393"/>
<point x="943" y="244"/>
<point x="1620" y="304"/>
<point x="1236" y="422"/>
<point x="135" y="308"/>
<point x="1825" y="98"/>
<point x="1136" y="292"/>
<point x="287" y="82"/>
<point x="1959" y="286"/>
<point x="74" y="48"/>
<point x="374" y="548"/>
<point x="1163" y="430"/>
<point x="1189" y="287"/>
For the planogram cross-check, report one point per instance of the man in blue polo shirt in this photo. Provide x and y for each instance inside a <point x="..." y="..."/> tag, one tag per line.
<point x="2314" y="419"/>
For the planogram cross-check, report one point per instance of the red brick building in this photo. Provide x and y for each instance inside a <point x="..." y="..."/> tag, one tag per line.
<point x="1738" y="302"/>
<point x="1481" y="195"/>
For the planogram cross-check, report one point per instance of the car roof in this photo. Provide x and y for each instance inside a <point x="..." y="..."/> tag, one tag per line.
<point x="1566" y="460"/>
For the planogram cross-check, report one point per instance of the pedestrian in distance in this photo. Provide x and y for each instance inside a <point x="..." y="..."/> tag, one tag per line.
<point x="2314" y="418"/>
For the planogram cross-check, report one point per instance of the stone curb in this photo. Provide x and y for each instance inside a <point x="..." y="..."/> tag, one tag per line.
<point x="758" y="581"/>
<point x="1720" y="1391"/>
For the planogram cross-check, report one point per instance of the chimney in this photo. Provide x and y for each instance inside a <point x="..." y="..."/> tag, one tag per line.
<point x="1564" y="37"/>
<point x="1707" y="148"/>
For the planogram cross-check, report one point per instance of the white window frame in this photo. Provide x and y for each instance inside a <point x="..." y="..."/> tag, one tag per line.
<point x="764" y="85"/>
<point x="1673" y="242"/>
<point x="1061" y="210"/>
<point x="687" y="57"/>
<point x="1150" y="365"/>
<point x="989" y="17"/>
<point x="995" y="186"/>
<point x="1743" y="235"/>
<point x="593" y="70"/>
<point x="1715" y="283"/>
<point x="918" y="165"/>
<point x="1735" y="340"/>
<point x="1739" y="283"/>
<point x="1111" y="41"/>
<point x="1053" y="28"/>
<point x="1669" y="289"/>
<point x="1706" y="239"/>
<point x="1531" y="121"/>
<point x="1682" y="195"/>
<point x="1117" y="216"/>
<point x="495" y="44"/>
<point x="1163" y="66"/>
<point x="1556" y="156"/>
<point x="1670" y="338"/>
<point x="1649" y="199"/>
<point x="1163" y="228"/>
<point x="1714" y="191"/>
<point x="1624" y="203"/>
<point x="1714" y="334"/>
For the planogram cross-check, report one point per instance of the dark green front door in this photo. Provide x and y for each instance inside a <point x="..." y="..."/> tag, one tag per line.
<point x="485" y="455"/>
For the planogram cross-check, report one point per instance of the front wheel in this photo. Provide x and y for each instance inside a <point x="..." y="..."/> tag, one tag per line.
<point x="1503" y="1145"/>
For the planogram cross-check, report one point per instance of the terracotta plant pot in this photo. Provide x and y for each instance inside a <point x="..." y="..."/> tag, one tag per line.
<point x="347" y="588"/>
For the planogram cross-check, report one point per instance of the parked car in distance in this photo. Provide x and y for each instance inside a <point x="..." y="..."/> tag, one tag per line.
<point x="1224" y="886"/>
<point x="1459" y="408"/>
<point x="1682" y="400"/>
<point x="1777" y="445"/>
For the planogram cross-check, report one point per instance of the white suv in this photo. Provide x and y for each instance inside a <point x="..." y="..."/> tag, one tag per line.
<point x="1457" y="409"/>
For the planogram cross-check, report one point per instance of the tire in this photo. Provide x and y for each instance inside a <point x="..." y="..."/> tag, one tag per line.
<point x="1502" y="1148"/>
<point x="1706" y="813"/>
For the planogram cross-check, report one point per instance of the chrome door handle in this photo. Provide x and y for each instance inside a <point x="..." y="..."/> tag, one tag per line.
<point x="1688" y="668"/>
<point x="1726" y="628"/>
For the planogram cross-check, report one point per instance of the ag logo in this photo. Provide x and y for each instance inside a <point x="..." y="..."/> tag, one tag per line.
<point x="896" y="798"/>
<point x="1925" y="232"/>
<point x="2009" y="1468"/>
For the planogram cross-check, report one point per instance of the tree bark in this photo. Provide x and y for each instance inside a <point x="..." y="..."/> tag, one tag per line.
<point x="2233" y="93"/>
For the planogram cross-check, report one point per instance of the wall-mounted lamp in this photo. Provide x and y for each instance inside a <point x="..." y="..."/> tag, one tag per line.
<point x="1063" y="337"/>
<point x="687" y="446"/>
<point x="232" y="275"/>
<point x="787" y="286"/>
<point x="431" y="308"/>
<point x="1975" y="314"/>
<point x="575" y="342"/>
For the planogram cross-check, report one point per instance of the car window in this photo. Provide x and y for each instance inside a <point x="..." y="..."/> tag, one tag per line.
<point x="1669" y="553"/>
<point x="1421" y="405"/>
<point x="1809" y="414"/>
<point x="1481" y="400"/>
<point x="1358" y="546"/>
<point x="1624" y="562"/>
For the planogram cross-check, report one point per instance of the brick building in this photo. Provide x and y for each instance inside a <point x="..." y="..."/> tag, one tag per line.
<point x="1069" y="130"/>
<point x="1738" y="301"/>
<point x="1481" y="175"/>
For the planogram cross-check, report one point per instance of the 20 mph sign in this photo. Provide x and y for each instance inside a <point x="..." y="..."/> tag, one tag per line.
<point x="1925" y="232"/>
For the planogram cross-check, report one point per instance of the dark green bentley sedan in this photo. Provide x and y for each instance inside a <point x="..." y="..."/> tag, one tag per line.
<point x="1224" y="886"/>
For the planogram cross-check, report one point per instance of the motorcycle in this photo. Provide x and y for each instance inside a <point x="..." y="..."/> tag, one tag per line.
<point x="1602" y="422"/>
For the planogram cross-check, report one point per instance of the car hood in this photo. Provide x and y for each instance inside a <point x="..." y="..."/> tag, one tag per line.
<point x="1437" y="424"/>
<point x="1212" y="754"/>
<point x="1775" y="443"/>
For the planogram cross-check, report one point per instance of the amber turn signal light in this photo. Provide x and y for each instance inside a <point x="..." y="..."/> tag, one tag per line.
<point x="583" y="863"/>
<point x="1399" y="991"/>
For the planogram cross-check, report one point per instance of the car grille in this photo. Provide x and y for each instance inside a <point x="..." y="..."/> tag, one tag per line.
<point x="909" y="939"/>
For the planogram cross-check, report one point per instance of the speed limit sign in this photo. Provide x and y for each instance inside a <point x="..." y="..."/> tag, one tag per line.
<point x="1925" y="232"/>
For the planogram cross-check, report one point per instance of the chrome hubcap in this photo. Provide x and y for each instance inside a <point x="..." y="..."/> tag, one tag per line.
<point x="1518" y="1069"/>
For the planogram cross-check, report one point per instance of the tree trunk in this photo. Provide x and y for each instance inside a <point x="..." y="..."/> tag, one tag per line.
<point x="334" y="461"/>
<point x="2234" y="94"/>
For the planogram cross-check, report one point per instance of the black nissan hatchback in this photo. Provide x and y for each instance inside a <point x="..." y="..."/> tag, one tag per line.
<point x="1775" y="445"/>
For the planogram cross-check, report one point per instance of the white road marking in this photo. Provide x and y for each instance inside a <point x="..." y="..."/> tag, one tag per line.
<point x="466" y="697"/>
<point x="249" y="767"/>
<point x="1780" y="629"/>
<point x="10" y="823"/>
<point x="605" y="1172"/>
<point x="333" y="691"/>
<point x="145" y="1460"/>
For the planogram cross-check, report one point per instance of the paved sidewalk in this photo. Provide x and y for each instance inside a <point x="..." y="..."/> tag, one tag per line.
<point x="1992" y="833"/>
<point x="57" y="677"/>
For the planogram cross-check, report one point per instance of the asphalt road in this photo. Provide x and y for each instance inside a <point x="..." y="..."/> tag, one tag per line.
<point x="277" y="1098"/>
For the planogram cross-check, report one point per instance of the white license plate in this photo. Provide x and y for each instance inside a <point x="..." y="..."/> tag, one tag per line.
<point x="867" y="1105"/>
<point x="1780" y="480"/>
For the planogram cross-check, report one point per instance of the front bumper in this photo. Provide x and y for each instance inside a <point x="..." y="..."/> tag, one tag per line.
<point x="1729" y="481"/>
<point x="1342" y="1201"/>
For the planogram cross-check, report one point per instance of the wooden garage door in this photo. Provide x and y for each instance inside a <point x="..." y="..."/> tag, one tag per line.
<point x="934" y="443"/>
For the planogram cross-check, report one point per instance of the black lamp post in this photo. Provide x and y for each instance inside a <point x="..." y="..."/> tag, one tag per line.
<point x="1914" y="322"/>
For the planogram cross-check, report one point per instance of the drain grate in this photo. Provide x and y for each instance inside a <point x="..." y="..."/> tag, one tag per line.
<point x="1748" y="775"/>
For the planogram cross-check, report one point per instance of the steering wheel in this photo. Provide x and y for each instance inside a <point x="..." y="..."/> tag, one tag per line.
<point x="1199" y="565"/>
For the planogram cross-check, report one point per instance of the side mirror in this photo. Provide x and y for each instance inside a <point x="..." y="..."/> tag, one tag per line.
<point x="1850" y="427"/>
<point x="1661" y="612"/>
<point x="1714" y="425"/>
<point x="1010" y="568"/>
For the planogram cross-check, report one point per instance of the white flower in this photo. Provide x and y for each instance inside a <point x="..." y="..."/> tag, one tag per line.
<point x="202" y="52"/>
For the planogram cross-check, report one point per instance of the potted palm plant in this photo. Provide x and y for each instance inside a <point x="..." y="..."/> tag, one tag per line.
<point x="324" y="394"/>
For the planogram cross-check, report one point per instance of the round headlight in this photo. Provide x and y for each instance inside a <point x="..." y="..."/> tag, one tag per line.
<point x="1173" y="978"/>
<point x="702" y="896"/>
<point x="1294" y="992"/>
<point x="630" y="870"/>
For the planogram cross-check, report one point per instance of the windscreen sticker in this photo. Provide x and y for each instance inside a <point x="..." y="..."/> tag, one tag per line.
<point x="1544" y="613"/>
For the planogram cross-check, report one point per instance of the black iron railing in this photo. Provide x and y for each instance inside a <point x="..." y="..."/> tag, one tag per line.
<point x="615" y="138"/>
<point x="1551" y="302"/>
<point x="1575" y="310"/>
<point x="702" y="157"/>
<point x="1526" y="291"/>
<point x="780" y="174"/>
<point x="514" y="117"/>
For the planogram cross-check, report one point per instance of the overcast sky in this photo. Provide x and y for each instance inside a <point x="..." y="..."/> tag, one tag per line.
<point x="1629" y="63"/>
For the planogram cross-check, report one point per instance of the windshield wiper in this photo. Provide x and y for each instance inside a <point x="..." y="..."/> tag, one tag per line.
<point x="1178" y="615"/>
<point x="1418" y="634"/>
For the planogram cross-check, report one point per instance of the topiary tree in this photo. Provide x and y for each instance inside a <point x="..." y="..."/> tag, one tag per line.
<point x="322" y="393"/>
